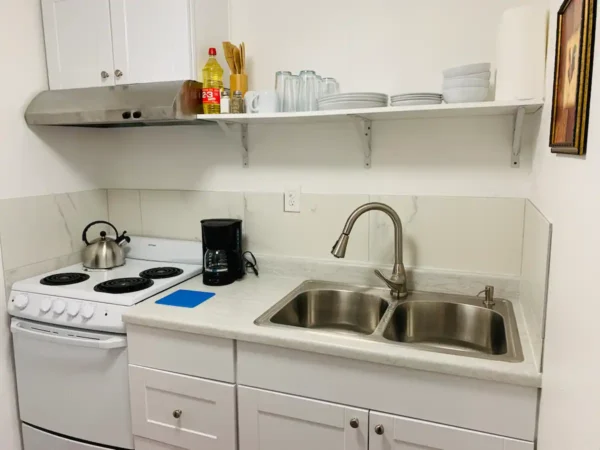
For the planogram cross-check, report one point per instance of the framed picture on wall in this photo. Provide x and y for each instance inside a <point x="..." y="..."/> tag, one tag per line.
<point x="573" y="76"/>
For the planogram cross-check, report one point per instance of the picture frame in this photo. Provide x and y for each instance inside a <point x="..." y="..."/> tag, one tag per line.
<point x="576" y="28"/>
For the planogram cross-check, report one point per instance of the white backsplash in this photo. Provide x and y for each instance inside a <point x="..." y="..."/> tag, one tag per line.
<point x="462" y="234"/>
<point x="44" y="233"/>
<point x="537" y="237"/>
<point x="469" y="234"/>
<point x="310" y="233"/>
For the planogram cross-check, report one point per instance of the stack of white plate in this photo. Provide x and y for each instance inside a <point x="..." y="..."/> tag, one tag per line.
<point x="417" y="98"/>
<point x="355" y="100"/>
<point x="470" y="83"/>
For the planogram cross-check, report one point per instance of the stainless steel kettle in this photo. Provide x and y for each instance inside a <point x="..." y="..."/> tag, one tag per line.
<point x="104" y="252"/>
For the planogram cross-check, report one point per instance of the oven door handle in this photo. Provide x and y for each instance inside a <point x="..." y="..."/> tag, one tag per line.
<point x="110" y="343"/>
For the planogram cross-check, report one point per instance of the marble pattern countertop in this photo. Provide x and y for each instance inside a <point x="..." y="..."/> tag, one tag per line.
<point x="232" y="312"/>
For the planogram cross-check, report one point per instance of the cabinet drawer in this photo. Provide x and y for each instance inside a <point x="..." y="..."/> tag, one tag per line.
<point x="182" y="411"/>
<point x="186" y="353"/>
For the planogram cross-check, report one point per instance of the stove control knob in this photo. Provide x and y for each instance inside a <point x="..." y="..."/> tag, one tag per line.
<point x="46" y="305"/>
<point x="59" y="307"/>
<point x="87" y="311"/>
<point x="73" y="309"/>
<point x="21" y="301"/>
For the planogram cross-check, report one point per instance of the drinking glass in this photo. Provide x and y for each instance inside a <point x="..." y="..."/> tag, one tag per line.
<point x="280" y="78"/>
<point x="307" y="91"/>
<point x="329" y="86"/>
<point x="290" y="94"/>
<point x="318" y="86"/>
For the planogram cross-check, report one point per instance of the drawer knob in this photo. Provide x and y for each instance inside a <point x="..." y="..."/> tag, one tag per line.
<point x="118" y="73"/>
<point x="354" y="422"/>
<point x="104" y="74"/>
<point x="177" y="413"/>
<point x="379" y="429"/>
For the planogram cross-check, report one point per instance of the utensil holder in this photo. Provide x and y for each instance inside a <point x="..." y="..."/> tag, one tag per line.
<point x="238" y="82"/>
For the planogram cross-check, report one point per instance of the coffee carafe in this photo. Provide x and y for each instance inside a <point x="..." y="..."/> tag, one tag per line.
<point x="222" y="247"/>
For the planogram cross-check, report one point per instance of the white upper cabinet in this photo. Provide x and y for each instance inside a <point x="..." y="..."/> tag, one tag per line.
<point x="79" y="47"/>
<point x="400" y="433"/>
<point x="153" y="40"/>
<point x="92" y="43"/>
<point x="271" y="421"/>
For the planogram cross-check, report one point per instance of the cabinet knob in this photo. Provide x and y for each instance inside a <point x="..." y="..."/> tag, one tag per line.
<point x="118" y="73"/>
<point x="104" y="74"/>
<point x="177" y="413"/>
<point x="379" y="429"/>
<point x="354" y="422"/>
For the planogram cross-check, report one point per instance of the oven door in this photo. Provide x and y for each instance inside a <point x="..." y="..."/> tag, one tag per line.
<point x="73" y="383"/>
<point x="34" y="439"/>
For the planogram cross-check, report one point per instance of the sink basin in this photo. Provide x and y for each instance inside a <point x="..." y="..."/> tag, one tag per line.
<point x="327" y="308"/>
<point x="442" y="323"/>
<point x="447" y="325"/>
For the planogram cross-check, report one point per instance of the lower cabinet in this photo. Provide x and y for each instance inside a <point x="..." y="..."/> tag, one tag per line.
<point x="272" y="421"/>
<point x="399" y="433"/>
<point x="181" y="411"/>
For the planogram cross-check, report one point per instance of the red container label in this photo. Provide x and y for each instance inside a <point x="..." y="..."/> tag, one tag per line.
<point x="211" y="96"/>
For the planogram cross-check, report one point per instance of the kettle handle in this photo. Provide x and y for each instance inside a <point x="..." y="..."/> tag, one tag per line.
<point x="84" y="235"/>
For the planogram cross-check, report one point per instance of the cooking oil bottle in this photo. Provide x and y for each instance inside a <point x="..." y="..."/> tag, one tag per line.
<point x="212" y="84"/>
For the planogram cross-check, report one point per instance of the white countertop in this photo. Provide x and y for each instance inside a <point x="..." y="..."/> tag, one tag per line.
<point x="232" y="311"/>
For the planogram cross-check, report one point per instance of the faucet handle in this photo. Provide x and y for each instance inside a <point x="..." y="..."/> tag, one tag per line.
<point x="396" y="283"/>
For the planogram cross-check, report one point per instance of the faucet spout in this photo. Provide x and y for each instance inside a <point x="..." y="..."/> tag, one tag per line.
<point x="397" y="282"/>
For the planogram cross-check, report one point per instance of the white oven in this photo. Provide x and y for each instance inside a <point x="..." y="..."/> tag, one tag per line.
<point x="70" y="345"/>
<point x="73" y="387"/>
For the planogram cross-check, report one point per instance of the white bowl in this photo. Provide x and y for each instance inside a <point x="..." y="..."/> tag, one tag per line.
<point x="481" y="75"/>
<point x="465" y="82"/>
<point x="469" y="69"/>
<point x="465" y="94"/>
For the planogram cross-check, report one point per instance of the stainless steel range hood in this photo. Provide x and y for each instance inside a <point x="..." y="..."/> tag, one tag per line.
<point x="150" y="104"/>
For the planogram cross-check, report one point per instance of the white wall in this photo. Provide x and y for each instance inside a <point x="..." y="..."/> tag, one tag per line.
<point x="50" y="160"/>
<point x="45" y="162"/>
<point x="10" y="438"/>
<point x="567" y="191"/>
<point x="390" y="46"/>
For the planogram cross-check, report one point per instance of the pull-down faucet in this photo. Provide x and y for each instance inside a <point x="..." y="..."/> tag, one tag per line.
<point x="397" y="282"/>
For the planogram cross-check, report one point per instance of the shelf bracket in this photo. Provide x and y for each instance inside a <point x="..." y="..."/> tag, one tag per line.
<point x="242" y="137"/>
<point x="515" y="161"/>
<point x="364" y="131"/>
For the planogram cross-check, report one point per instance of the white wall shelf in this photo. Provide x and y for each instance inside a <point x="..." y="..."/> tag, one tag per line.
<point x="364" y="118"/>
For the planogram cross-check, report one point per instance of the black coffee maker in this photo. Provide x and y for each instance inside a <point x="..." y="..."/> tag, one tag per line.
<point x="222" y="247"/>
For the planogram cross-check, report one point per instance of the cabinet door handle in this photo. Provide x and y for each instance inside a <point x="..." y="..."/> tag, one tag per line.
<point x="104" y="74"/>
<point x="354" y="422"/>
<point x="177" y="413"/>
<point x="118" y="73"/>
<point x="379" y="429"/>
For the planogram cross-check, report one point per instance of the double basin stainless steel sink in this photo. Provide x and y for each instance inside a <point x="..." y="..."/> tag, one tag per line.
<point x="440" y="323"/>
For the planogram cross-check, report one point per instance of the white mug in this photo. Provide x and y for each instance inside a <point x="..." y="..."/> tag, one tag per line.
<point x="261" y="102"/>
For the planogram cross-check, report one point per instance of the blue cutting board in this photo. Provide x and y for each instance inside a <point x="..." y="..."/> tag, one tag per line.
<point x="185" y="299"/>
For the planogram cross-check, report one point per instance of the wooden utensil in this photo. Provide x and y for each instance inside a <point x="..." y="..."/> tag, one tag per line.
<point x="237" y="56"/>
<point x="243" y="50"/>
<point x="228" y="50"/>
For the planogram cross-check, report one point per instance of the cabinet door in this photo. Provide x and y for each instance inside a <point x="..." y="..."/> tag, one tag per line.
<point x="78" y="43"/>
<point x="182" y="411"/>
<point x="399" y="433"/>
<point x="271" y="421"/>
<point x="152" y="40"/>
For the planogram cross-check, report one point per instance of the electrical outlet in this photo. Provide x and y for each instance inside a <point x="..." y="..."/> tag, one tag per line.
<point x="291" y="200"/>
